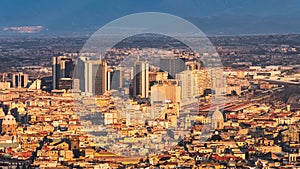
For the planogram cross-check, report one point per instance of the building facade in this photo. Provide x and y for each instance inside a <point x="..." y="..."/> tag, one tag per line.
<point x="165" y="90"/>
<point x="93" y="76"/>
<point x="62" y="67"/>
<point x="188" y="84"/>
<point x="172" y="66"/>
<point x="141" y="79"/>
<point x="19" y="80"/>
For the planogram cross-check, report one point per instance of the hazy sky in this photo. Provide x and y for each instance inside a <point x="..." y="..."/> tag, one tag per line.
<point x="212" y="16"/>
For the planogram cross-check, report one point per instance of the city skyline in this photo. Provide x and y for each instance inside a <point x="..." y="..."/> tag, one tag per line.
<point x="140" y="84"/>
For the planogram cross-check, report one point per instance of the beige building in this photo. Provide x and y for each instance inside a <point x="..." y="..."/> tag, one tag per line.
<point x="19" y="80"/>
<point x="158" y="76"/>
<point x="165" y="90"/>
<point x="4" y="85"/>
<point x="188" y="85"/>
<point x="202" y="80"/>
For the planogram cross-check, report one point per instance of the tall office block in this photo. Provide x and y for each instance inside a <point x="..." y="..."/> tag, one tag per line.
<point x="102" y="78"/>
<point x="172" y="66"/>
<point x="93" y="76"/>
<point x="117" y="79"/>
<point x="141" y="79"/>
<point x="165" y="90"/>
<point x="62" y="67"/>
<point x="188" y="84"/>
<point x="203" y="80"/>
<point x="19" y="80"/>
<point x="218" y="81"/>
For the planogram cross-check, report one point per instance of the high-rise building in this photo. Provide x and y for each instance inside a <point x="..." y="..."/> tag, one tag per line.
<point x="203" y="80"/>
<point x="19" y="80"/>
<point x="93" y="76"/>
<point x="188" y="84"/>
<point x="172" y="66"/>
<point x="218" y="81"/>
<point x="164" y="91"/>
<point x="76" y="85"/>
<point x="62" y="67"/>
<point x="117" y="78"/>
<point x="102" y="77"/>
<point x="141" y="79"/>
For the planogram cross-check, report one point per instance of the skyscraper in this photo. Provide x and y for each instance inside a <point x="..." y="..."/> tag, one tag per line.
<point x="102" y="77"/>
<point x="141" y="79"/>
<point x="165" y="90"/>
<point x="188" y="84"/>
<point x="203" y="80"/>
<point x="19" y="80"/>
<point x="62" y="67"/>
<point x="117" y="79"/>
<point x="172" y="66"/>
<point x="93" y="76"/>
<point x="218" y="80"/>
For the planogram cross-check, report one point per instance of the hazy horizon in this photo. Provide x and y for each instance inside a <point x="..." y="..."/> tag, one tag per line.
<point x="213" y="17"/>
